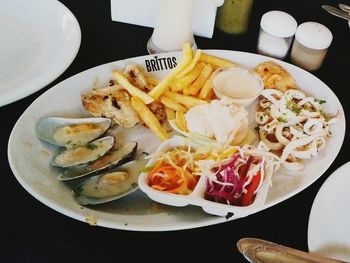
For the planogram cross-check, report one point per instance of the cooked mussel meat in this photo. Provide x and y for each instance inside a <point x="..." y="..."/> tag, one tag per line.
<point x="71" y="132"/>
<point x="85" y="153"/>
<point x="114" y="158"/>
<point x="104" y="188"/>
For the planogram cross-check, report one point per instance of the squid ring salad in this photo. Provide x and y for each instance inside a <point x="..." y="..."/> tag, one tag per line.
<point x="292" y="125"/>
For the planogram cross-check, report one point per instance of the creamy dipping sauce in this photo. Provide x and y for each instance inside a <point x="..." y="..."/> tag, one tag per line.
<point x="236" y="82"/>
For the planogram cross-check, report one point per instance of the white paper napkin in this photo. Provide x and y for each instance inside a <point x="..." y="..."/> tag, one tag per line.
<point x="141" y="12"/>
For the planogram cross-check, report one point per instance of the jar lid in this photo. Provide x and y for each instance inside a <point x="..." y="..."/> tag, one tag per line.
<point x="278" y="23"/>
<point x="314" y="35"/>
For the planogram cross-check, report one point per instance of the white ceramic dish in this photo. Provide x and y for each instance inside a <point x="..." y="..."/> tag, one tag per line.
<point x="329" y="222"/>
<point x="38" y="41"/>
<point x="29" y="157"/>
<point x="197" y="196"/>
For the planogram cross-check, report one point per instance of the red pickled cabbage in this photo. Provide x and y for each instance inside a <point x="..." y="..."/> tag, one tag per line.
<point x="230" y="194"/>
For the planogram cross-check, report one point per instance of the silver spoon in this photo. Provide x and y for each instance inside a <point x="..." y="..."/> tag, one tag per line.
<point x="345" y="8"/>
<point x="262" y="251"/>
<point x="337" y="12"/>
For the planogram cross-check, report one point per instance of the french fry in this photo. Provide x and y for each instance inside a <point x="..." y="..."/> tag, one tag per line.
<point x="206" y="89"/>
<point x="180" y="120"/>
<point x="190" y="66"/>
<point x="173" y="86"/>
<point x="216" y="61"/>
<point x="162" y="86"/>
<point x="169" y="103"/>
<point x="134" y="91"/>
<point x="200" y="81"/>
<point x="190" y="77"/>
<point x="210" y="95"/>
<point x="185" y="100"/>
<point x="148" y="117"/>
<point x="170" y="113"/>
<point x="153" y="81"/>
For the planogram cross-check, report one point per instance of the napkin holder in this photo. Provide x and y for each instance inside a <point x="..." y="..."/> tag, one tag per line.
<point x="142" y="13"/>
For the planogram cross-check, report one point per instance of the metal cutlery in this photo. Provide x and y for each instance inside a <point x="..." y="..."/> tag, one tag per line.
<point x="338" y="12"/>
<point x="262" y="251"/>
<point x="345" y="8"/>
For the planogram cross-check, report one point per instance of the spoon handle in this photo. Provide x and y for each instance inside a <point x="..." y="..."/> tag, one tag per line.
<point x="345" y="8"/>
<point x="337" y="12"/>
<point x="262" y="251"/>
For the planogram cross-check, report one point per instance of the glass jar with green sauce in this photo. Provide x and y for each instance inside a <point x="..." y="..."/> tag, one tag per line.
<point x="233" y="16"/>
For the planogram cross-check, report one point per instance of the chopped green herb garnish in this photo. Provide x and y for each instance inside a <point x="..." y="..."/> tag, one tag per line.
<point x="91" y="146"/>
<point x="281" y="119"/>
<point x="134" y="184"/>
<point x="320" y="101"/>
<point x="257" y="128"/>
<point x="293" y="107"/>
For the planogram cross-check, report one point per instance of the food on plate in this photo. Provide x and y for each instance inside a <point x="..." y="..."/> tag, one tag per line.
<point x="215" y="61"/>
<point x="180" y="120"/>
<point x="221" y="120"/>
<point x="138" y="78"/>
<point x="275" y="76"/>
<point x="116" y="157"/>
<point x="196" y="86"/>
<point x="104" y="188"/>
<point x="163" y="85"/>
<point x="218" y="161"/>
<point x="186" y="86"/>
<point x="236" y="179"/>
<point x="111" y="102"/>
<point x="237" y="83"/>
<point x="149" y="118"/>
<point x="71" y="132"/>
<point x="172" y="104"/>
<point x="133" y="91"/>
<point x="174" y="171"/>
<point x="187" y="101"/>
<point x="292" y="125"/>
<point x="191" y="65"/>
<point x="87" y="153"/>
<point x="83" y="153"/>
<point x="183" y="172"/>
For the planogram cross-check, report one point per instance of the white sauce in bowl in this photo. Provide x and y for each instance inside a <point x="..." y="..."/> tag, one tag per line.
<point x="237" y="83"/>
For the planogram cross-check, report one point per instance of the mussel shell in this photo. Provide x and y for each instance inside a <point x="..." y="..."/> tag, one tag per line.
<point x="105" y="187"/>
<point x="84" y="154"/>
<point x="74" y="131"/>
<point x="112" y="159"/>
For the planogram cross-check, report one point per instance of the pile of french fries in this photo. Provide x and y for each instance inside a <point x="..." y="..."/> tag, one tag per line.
<point x="186" y="86"/>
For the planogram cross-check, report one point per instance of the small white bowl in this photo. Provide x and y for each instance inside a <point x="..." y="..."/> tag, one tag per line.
<point x="197" y="196"/>
<point x="245" y="76"/>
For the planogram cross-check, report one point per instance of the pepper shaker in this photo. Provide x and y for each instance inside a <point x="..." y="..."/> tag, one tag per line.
<point x="310" y="45"/>
<point x="277" y="29"/>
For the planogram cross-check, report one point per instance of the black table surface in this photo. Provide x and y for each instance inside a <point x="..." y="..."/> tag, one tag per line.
<point x="33" y="232"/>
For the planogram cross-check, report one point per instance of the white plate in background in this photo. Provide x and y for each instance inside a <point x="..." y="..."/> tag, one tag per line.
<point x="329" y="222"/>
<point x="38" y="41"/>
<point x="29" y="157"/>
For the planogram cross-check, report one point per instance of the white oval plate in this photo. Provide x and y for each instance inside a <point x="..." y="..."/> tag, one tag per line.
<point x="29" y="157"/>
<point x="38" y="41"/>
<point x="329" y="222"/>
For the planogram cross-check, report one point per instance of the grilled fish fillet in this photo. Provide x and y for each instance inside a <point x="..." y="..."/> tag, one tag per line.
<point x="111" y="102"/>
<point x="138" y="78"/>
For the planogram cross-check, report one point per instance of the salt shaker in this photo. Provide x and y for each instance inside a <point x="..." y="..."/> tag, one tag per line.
<point x="277" y="30"/>
<point x="310" y="45"/>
